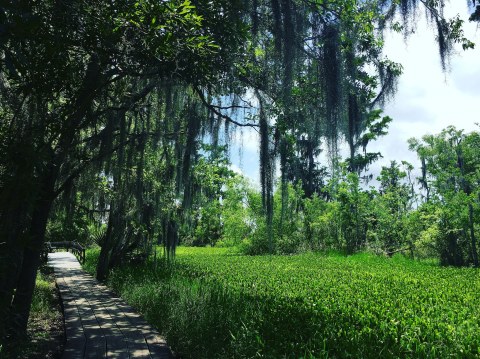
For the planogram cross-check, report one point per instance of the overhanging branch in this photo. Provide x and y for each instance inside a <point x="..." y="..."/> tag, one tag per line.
<point x="215" y="110"/>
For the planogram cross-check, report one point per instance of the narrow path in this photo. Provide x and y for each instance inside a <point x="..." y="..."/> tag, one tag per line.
<point x="98" y="324"/>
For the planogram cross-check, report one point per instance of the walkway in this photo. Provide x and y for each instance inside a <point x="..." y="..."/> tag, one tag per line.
<point x="98" y="324"/>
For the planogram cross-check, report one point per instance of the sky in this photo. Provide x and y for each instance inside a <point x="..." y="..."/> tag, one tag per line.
<point x="427" y="101"/>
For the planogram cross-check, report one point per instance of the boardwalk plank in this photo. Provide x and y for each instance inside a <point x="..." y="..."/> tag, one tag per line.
<point x="96" y="348"/>
<point x="74" y="348"/>
<point x="97" y="323"/>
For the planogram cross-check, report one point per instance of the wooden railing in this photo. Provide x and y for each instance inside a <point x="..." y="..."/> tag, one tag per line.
<point x="75" y="247"/>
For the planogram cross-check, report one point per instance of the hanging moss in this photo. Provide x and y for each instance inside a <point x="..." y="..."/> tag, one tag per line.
<point x="266" y="169"/>
<point x="408" y="12"/>
<point x="277" y="25"/>
<point x="444" y="45"/>
<point x="307" y="71"/>
<point x="332" y="84"/>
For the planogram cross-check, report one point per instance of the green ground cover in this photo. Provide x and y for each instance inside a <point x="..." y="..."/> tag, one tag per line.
<point x="214" y="303"/>
<point x="45" y="335"/>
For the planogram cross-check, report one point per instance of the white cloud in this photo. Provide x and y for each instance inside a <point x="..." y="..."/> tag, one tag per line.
<point x="429" y="100"/>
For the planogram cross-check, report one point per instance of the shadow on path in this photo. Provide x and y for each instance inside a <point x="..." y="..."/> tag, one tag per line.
<point x="98" y="324"/>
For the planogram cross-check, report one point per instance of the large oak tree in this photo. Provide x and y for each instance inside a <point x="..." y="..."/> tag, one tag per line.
<point x="70" y="71"/>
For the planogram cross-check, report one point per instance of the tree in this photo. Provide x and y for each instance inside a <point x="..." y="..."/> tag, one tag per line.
<point x="318" y="74"/>
<point x="375" y="126"/>
<point x="451" y="166"/>
<point x="393" y="205"/>
<point x="72" y="75"/>
<point x="210" y="175"/>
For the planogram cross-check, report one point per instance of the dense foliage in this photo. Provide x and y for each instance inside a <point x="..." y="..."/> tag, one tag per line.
<point x="215" y="303"/>
<point x="451" y="180"/>
<point x="440" y="219"/>
<point x="77" y="82"/>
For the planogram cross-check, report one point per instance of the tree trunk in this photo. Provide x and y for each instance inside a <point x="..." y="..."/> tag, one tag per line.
<point x="14" y="214"/>
<point x="472" y="235"/>
<point x="20" y="309"/>
<point x="103" y="264"/>
<point x="11" y="261"/>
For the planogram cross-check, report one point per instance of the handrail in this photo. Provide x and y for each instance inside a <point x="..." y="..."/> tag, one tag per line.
<point x="75" y="247"/>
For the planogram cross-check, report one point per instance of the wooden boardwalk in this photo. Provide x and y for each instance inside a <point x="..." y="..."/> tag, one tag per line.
<point x="97" y="324"/>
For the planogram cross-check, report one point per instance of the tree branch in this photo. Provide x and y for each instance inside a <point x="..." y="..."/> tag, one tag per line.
<point x="215" y="110"/>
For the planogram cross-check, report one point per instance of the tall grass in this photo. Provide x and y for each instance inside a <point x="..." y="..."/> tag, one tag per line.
<point x="198" y="320"/>
<point x="43" y="298"/>
<point x="215" y="304"/>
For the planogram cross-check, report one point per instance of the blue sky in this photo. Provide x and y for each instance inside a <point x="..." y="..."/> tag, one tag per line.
<point x="427" y="100"/>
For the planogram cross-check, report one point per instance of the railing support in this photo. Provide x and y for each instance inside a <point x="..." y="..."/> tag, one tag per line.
<point x="75" y="247"/>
